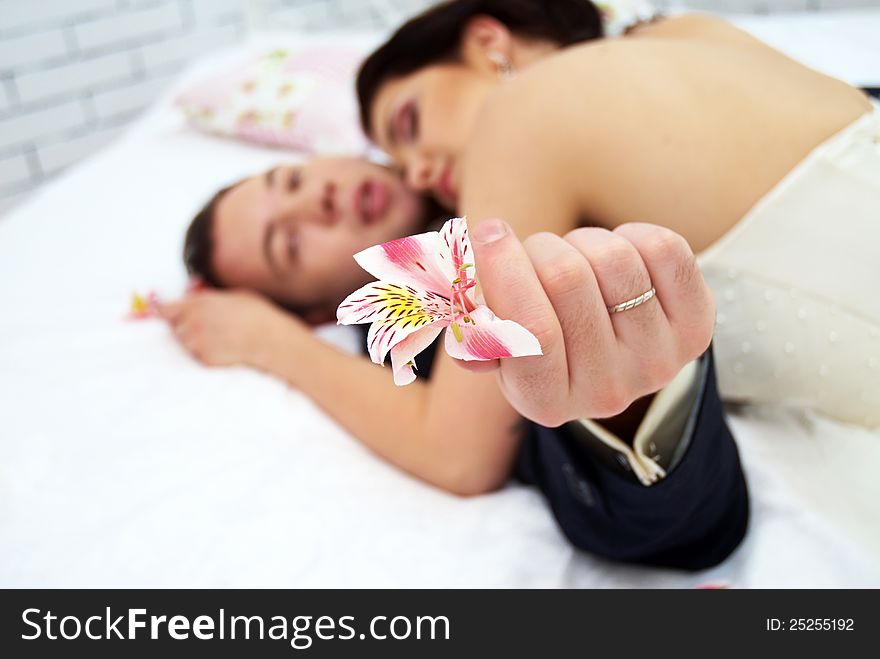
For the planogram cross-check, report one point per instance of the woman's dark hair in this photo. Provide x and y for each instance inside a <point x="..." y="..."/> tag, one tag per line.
<point x="198" y="246"/>
<point x="435" y="36"/>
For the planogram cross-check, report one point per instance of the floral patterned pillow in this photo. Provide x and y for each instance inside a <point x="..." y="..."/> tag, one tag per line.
<point x="620" y="15"/>
<point x="301" y="100"/>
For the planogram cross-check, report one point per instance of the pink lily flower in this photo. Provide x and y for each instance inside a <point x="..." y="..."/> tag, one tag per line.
<point x="424" y="287"/>
<point x="144" y="306"/>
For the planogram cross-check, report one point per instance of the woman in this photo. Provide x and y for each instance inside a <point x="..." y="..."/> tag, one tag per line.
<point x="518" y="110"/>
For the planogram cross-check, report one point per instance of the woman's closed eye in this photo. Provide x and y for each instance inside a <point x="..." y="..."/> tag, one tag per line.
<point x="406" y="122"/>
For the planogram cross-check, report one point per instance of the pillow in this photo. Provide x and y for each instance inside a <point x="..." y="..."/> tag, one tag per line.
<point x="301" y="100"/>
<point x="620" y="15"/>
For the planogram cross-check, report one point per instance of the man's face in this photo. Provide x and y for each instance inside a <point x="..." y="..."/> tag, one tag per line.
<point x="290" y="233"/>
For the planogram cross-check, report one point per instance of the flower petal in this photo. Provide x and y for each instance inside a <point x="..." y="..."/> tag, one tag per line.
<point x="458" y="246"/>
<point x="403" y="354"/>
<point x="420" y="261"/>
<point x="380" y="301"/>
<point x="385" y="334"/>
<point x="489" y="337"/>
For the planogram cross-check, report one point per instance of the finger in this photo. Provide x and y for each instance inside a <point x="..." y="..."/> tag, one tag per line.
<point x="181" y="332"/>
<point x="644" y="338"/>
<point x="479" y="367"/>
<point x="168" y="309"/>
<point x="191" y="345"/>
<point x="171" y="311"/>
<point x="513" y="292"/>
<point x="571" y="286"/>
<point x="683" y="293"/>
<point x="621" y="275"/>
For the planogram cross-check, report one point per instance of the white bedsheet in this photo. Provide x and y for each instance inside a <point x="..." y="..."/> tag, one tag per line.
<point x="124" y="463"/>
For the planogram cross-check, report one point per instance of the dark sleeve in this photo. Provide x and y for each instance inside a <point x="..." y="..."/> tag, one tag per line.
<point x="691" y="519"/>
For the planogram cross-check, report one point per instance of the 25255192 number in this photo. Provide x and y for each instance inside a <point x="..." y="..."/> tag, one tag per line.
<point x="810" y="624"/>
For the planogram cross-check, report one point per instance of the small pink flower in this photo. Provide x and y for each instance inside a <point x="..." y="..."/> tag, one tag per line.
<point x="144" y="306"/>
<point x="424" y="287"/>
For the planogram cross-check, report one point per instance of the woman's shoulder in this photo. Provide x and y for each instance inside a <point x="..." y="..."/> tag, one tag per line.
<point x="558" y="102"/>
<point x="692" y="26"/>
<point x="519" y="160"/>
<point x="587" y="80"/>
<point x="541" y="139"/>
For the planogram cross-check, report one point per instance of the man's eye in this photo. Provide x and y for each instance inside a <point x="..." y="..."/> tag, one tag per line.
<point x="293" y="181"/>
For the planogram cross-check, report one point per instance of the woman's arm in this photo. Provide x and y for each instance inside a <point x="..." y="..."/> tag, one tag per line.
<point x="455" y="431"/>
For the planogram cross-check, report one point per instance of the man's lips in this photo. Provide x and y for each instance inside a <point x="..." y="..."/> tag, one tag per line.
<point x="371" y="201"/>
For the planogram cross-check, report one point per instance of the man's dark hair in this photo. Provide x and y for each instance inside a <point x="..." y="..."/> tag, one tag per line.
<point x="198" y="246"/>
<point x="435" y="36"/>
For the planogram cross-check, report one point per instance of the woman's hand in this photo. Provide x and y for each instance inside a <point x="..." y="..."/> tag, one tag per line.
<point x="225" y="328"/>
<point x="595" y="363"/>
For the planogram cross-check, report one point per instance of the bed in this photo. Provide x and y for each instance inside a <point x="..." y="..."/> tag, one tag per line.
<point x="123" y="463"/>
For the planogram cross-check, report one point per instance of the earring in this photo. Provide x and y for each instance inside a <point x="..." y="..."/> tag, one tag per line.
<point x="505" y="70"/>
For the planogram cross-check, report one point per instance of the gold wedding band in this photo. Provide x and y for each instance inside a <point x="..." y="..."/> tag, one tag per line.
<point x="632" y="304"/>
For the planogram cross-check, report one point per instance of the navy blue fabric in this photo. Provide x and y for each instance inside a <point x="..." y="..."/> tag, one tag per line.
<point x="692" y="519"/>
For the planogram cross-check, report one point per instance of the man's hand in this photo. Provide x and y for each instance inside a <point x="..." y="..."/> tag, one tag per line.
<point x="595" y="363"/>
<point x="225" y="328"/>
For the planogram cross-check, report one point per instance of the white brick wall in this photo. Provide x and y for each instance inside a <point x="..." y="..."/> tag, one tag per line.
<point x="72" y="77"/>
<point x="31" y="127"/>
<point x="32" y="48"/>
<point x="173" y="52"/>
<point x="14" y="170"/>
<point x="128" y="100"/>
<point x="208" y="11"/>
<point x="318" y="14"/>
<point x="123" y="28"/>
<point x="73" y="73"/>
<point x="30" y="14"/>
<point x="769" y="6"/>
<point x="4" y="98"/>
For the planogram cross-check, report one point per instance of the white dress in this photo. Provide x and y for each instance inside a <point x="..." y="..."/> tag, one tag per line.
<point x="797" y="285"/>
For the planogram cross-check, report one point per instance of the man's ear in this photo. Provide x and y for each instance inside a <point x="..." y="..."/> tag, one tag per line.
<point x="485" y="42"/>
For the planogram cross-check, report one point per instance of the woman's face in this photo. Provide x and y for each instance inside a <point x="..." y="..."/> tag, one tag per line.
<point x="290" y="233"/>
<point x="424" y="121"/>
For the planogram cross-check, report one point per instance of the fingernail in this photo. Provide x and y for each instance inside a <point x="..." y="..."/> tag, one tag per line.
<point x="490" y="231"/>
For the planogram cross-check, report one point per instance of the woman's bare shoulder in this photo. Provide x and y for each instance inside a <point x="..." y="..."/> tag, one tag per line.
<point x="550" y="137"/>
<point x="525" y="159"/>
<point x="512" y="168"/>
<point x="560" y="104"/>
<point x="693" y="26"/>
<point x="541" y="139"/>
